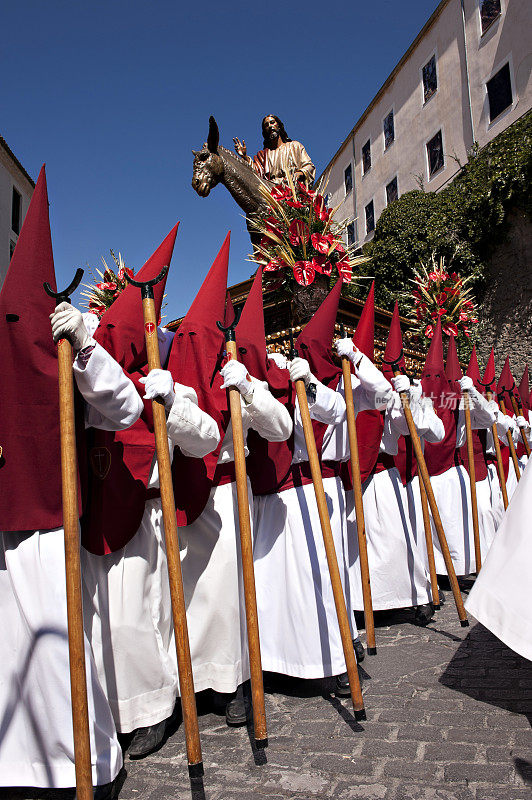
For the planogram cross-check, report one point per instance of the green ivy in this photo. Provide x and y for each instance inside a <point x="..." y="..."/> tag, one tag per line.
<point x="463" y="222"/>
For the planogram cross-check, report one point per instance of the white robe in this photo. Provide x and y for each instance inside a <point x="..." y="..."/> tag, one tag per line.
<point x="298" y="622"/>
<point x="453" y="498"/>
<point x="127" y="595"/>
<point x="398" y="575"/>
<point x="36" y="737"/>
<point x="211" y="563"/>
<point x="500" y="597"/>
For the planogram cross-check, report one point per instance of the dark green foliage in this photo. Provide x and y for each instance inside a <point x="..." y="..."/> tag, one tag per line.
<point x="463" y="222"/>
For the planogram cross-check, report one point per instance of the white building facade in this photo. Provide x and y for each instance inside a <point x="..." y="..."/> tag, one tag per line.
<point x="465" y="78"/>
<point x="16" y="189"/>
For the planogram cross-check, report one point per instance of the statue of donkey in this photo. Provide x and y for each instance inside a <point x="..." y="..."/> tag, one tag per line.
<point x="215" y="164"/>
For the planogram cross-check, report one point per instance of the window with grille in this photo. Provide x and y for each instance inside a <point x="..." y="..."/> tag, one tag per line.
<point x="430" y="79"/>
<point x="366" y="157"/>
<point x="389" y="130"/>
<point x="16" y="208"/>
<point x="489" y="11"/>
<point x="499" y="92"/>
<point x="350" y="233"/>
<point x="391" y="191"/>
<point x="435" y="154"/>
<point x="370" y="217"/>
<point x="348" y="179"/>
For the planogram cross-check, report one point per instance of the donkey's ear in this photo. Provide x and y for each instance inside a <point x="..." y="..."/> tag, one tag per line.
<point x="214" y="136"/>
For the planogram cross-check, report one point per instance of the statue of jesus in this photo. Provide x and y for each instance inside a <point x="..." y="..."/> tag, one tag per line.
<point x="280" y="155"/>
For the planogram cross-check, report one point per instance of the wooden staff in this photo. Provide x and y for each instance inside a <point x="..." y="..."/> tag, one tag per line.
<point x="359" y="506"/>
<point x="472" y="478"/>
<point x="184" y="663"/>
<point x="518" y="411"/>
<point x="510" y="441"/>
<point x="246" y="544"/>
<point x="69" y="479"/>
<point x="500" y="468"/>
<point x="423" y="472"/>
<point x="330" y="551"/>
<point x="430" y="545"/>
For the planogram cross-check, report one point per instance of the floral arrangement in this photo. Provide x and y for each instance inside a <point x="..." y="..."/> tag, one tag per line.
<point x="103" y="293"/>
<point x="300" y="238"/>
<point x="440" y="294"/>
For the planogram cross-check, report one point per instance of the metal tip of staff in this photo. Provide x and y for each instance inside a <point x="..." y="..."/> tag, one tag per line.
<point x="360" y="715"/>
<point x="464" y="623"/>
<point x="195" y="771"/>
<point x="436" y="608"/>
<point x="261" y="744"/>
<point x="371" y="651"/>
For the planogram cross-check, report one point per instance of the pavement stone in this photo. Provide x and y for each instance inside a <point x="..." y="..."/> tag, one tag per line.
<point x="449" y="714"/>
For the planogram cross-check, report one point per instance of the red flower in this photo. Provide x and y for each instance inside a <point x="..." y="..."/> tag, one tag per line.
<point x="322" y="243"/>
<point x="321" y="265"/>
<point x="449" y="328"/>
<point x="416" y="294"/>
<point x="305" y="191"/>
<point x="474" y="320"/>
<point x="340" y="248"/>
<point x="429" y="331"/>
<point x="108" y="275"/>
<point x="441" y="298"/>
<point x="294" y="203"/>
<point x="304" y="272"/>
<point x="298" y="232"/>
<point x="434" y="276"/>
<point x="344" y="270"/>
<point x="320" y="209"/>
<point x="454" y="276"/>
<point x="275" y="264"/>
<point x="280" y="193"/>
<point x="463" y="317"/>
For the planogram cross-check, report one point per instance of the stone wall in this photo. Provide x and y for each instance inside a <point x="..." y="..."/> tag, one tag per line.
<point x="507" y="306"/>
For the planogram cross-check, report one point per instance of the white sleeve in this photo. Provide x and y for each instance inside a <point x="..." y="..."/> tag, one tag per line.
<point x="189" y="427"/>
<point x="266" y="415"/>
<point x="112" y="402"/>
<point x="481" y="414"/>
<point x="328" y="406"/>
<point x="373" y="390"/>
<point x="433" y="427"/>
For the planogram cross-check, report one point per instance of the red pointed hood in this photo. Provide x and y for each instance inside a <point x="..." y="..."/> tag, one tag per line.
<point x="489" y="380"/>
<point x="315" y="341"/>
<point x="198" y="344"/>
<point x="393" y="357"/>
<point x="250" y="332"/>
<point x="121" y="329"/>
<point x="364" y="336"/>
<point x="433" y="377"/>
<point x="524" y="390"/>
<point x="453" y="370"/>
<point x="506" y="386"/>
<point x="229" y="315"/>
<point x="30" y="497"/>
<point x="441" y="456"/>
<point x="473" y="371"/>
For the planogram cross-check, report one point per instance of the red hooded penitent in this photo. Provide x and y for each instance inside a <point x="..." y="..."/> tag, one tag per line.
<point x="120" y="461"/>
<point x="195" y="360"/>
<point x="30" y="463"/>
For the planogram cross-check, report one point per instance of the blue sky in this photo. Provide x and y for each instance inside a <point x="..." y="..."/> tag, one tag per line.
<point x="114" y="94"/>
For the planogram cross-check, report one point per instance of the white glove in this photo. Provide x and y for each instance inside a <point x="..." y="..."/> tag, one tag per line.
<point x="67" y="323"/>
<point x="466" y="384"/>
<point x="300" y="371"/>
<point x="279" y="359"/>
<point x="522" y="423"/>
<point x="236" y="376"/>
<point x="494" y="408"/>
<point x="346" y="347"/>
<point x="91" y="322"/>
<point x="159" y="383"/>
<point x="401" y="383"/>
<point x="416" y="390"/>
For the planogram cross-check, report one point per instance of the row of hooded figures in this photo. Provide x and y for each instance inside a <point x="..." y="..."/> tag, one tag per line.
<point x="130" y="654"/>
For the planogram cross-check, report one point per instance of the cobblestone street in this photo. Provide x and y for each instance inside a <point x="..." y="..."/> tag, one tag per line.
<point x="449" y="712"/>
